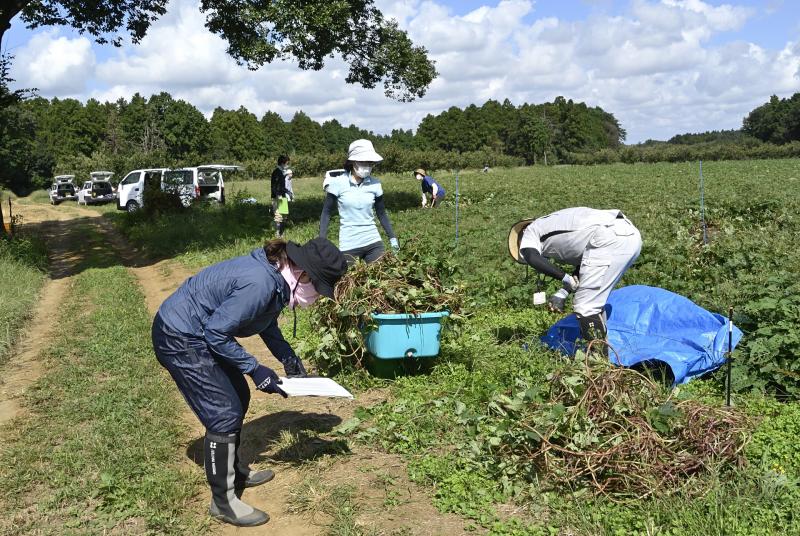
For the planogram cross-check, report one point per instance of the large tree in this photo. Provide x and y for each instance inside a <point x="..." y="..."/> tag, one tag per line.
<point x="260" y="31"/>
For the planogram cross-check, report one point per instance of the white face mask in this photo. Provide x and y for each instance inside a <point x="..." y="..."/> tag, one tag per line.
<point x="362" y="170"/>
<point x="419" y="177"/>
<point x="302" y="294"/>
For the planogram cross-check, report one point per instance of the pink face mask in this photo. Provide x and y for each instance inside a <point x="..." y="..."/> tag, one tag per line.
<point x="302" y="294"/>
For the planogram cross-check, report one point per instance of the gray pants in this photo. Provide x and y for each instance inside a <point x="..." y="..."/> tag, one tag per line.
<point x="611" y="251"/>
<point x="370" y="253"/>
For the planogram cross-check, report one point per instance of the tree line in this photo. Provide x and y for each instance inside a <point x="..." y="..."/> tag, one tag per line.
<point x="66" y="135"/>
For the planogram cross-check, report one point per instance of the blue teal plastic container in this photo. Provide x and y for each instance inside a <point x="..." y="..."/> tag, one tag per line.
<point x="401" y="336"/>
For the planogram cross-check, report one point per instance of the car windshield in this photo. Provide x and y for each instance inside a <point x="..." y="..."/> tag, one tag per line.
<point x="177" y="177"/>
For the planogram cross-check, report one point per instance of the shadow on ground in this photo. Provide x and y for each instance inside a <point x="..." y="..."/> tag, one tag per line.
<point x="285" y="436"/>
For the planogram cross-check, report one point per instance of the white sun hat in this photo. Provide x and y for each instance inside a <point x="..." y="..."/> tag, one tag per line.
<point x="363" y="151"/>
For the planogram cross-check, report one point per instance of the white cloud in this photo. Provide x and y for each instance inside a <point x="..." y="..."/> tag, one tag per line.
<point x="55" y="65"/>
<point x="661" y="66"/>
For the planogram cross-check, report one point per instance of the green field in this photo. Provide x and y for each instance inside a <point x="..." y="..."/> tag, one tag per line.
<point x="750" y="262"/>
<point x="446" y="424"/>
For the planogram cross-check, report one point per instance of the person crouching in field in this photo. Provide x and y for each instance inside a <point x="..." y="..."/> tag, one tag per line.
<point x="280" y="194"/>
<point x="194" y="337"/>
<point x="429" y="187"/>
<point x="601" y="244"/>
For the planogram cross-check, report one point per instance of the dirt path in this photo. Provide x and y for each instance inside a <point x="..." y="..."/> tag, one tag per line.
<point x="24" y="366"/>
<point x="281" y="434"/>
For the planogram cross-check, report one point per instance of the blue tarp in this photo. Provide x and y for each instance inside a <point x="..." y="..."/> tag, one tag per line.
<point x="647" y="324"/>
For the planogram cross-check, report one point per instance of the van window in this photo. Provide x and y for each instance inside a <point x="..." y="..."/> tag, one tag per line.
<point x="178" y="177"/>
<point x="152" y="179"/>
<point x="131" y="178"/>
<point x="208" y="178"/>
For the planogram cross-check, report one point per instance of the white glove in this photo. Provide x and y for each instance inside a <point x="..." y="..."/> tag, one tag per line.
<point x="558" y="300"/>
<point x="570" y="283"/>
<point x="395" y="244"/>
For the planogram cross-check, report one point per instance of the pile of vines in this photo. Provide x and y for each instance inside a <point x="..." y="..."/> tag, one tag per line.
<point x="413" y="284"/>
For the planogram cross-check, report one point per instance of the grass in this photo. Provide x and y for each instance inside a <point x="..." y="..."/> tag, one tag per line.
<point x="335" y="503"/>
<point x="750" y="262"/>
<point x="97" y="452"/>
<point x="22" y="264"/>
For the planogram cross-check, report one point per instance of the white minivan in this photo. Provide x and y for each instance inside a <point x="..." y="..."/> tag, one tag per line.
<point x="98" y="189"/>
<point x="131" y="189"/>
<point x="201" y="182"/>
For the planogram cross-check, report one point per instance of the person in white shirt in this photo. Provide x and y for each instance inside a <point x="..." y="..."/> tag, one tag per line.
<point x="600" y="244"/>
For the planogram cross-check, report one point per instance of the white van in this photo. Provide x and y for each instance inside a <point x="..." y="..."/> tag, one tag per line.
<point x="201" y="182"/>
<point x="62" y="189"/>
<point x="131" y="189"/>
<point x="97" y="189"/>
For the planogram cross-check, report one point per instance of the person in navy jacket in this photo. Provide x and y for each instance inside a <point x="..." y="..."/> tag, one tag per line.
<point x="194" y="337"/>
<point x="430" y="187"/>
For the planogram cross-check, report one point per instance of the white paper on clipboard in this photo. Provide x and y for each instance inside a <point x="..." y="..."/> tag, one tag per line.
<point x="314" y="387"/>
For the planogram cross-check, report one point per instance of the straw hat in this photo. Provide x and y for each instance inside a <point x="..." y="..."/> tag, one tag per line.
<point x="420" y="171"/>
<point x="514" y="236"/>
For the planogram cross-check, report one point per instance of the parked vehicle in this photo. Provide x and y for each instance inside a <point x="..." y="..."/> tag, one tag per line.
<point x="329" y="176"/>
<point x="62" y="189"/>
<point x="97" y="189"/>
<point x="201" y="182"/>
<point x="131" y="189"/>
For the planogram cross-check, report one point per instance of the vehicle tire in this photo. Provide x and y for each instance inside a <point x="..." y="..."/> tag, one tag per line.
<point x="132" y="207"/>
<point x="222" y="196"/>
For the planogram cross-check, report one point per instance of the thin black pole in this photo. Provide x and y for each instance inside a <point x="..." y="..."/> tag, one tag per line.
<point x="730" y="357"/>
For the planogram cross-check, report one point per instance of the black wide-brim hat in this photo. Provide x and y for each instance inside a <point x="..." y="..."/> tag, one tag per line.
<point x="321" y="260"/>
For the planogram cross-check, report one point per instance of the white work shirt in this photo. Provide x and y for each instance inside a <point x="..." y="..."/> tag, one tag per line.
<point x="564" y="235"/>
<point x="356" y="217"/>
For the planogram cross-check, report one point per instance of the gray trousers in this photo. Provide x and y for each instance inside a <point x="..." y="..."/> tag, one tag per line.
<point x="611" y="251"/>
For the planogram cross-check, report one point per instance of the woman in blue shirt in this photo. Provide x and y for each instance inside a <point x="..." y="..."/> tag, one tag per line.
<point x="356" y="194"/>
<point x="429" y="186"/>
<point x="194" y="338"/>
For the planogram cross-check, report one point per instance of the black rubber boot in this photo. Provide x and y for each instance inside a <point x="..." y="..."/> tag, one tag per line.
<point x="246" y="477"/>
<point x="219" y="454"/>
<point x="593" y="328"/>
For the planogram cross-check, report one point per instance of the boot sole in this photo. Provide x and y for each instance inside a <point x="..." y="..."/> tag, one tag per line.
<point x="230" y="521"/>
<point x="254" y="484"/>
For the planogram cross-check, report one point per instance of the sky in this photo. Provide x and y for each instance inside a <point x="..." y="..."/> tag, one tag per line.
<point x="662" y="67"/>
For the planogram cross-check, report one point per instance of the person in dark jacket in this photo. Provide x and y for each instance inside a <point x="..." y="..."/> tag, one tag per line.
<point x="280" y="194"/>
<point x="194" y="337"/>
<point x="429" y="187"/>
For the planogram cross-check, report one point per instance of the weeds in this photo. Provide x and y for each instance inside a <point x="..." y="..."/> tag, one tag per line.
<point x="97" y="452"/>
<point x="609" y="429"/>
<point x="412" y="284"/>
<point x="22" y="264"/>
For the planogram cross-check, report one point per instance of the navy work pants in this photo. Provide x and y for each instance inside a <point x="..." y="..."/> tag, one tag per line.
<point x="216" y="391"/>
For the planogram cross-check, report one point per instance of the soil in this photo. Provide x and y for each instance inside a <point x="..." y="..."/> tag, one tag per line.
<point x="288" y="436"/>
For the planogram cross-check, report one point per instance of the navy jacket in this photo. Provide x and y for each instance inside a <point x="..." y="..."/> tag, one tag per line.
<point x="235" y="298"/>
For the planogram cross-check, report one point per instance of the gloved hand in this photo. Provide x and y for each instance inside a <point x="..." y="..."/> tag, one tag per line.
<point x="570" y="283"/>
<point x="395" y="244"/>
<point x="266" y="380"/>
<point x="557" y="301"/>
<point x="294" y="368"/>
